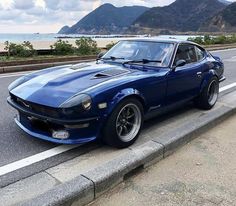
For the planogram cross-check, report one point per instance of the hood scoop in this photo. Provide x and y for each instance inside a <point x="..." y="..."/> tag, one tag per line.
<point x="111" y="73"/>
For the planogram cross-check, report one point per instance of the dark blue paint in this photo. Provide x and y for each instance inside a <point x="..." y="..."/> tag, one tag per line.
<point x="157" y="88"/>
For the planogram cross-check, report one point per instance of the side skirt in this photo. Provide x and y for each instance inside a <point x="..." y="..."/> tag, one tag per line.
<point x="165" y="109"/>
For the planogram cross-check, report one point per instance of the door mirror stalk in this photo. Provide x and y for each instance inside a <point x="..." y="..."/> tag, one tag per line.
<point x="100" y="55"/>
<point x="179" y="63"/>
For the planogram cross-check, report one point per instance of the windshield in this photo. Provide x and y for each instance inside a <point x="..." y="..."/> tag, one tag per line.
<point x="139" y="50"/>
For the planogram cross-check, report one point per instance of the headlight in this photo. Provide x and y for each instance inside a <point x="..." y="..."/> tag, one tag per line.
<point x="81" y="99"/>
<point x="16" y="83"/>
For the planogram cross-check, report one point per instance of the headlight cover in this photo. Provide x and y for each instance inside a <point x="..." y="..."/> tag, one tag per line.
<point x="16" y="83"/>
<point x="81" y="99"/>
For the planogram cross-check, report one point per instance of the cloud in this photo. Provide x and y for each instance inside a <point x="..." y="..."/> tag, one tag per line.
<point x="53" y="14"/>
<point x="6" y="4"/>
<point x="71" y="5"/>
<point x="23" y="4"/>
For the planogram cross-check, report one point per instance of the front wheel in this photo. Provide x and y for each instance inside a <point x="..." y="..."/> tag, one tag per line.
<point x="124" y="125"/>
<point x="209" y="96"/>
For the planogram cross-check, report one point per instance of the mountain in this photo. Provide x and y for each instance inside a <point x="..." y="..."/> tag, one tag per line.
<point x="64" y="29"/>
<point x="182" y="15"/>
<point x="106" y="19"/>
<point x="224" y="21"/>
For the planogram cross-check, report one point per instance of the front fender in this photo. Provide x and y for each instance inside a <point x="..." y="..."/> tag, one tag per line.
<point x="207" y="77"/>
<point x="121" y="95"/>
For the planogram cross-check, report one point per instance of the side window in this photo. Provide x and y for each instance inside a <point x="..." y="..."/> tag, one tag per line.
<point x="200" y="53"/>
<point x="186" y="52"/>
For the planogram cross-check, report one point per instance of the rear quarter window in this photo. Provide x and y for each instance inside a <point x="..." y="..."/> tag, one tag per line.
<point x="200" y="52"/>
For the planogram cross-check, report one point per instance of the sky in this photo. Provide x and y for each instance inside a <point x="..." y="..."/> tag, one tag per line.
<point x="48" y="16"/>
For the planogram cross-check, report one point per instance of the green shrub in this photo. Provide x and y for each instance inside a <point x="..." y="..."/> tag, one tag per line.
<point x="208" y="40"/>
<point x="20" y="50"/>
<point x="198" y="40"/>
<point x="62" y="48"/>
<point x="86" y="46"/>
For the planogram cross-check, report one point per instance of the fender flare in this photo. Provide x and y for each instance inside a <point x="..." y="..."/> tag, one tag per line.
<point x="123" y="94"/>
<point x="206" y="79"/>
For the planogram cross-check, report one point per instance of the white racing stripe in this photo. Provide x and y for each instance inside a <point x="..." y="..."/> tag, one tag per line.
<point x="55" y="151"/>
<point x="35" y="158"/>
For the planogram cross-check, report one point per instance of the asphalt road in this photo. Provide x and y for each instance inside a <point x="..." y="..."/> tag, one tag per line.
<point x="15" y="145"/>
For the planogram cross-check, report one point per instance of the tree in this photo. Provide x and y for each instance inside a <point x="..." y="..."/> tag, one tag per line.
<point x="86" y="46"/>
<point x="63" y="48"/>
<point x="25" y="49"/>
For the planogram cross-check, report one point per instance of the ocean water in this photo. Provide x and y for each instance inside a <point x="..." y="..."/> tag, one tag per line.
<point x="26" y="37"/>
<point x="52" y="37"/>
<point x="36" y="37"/>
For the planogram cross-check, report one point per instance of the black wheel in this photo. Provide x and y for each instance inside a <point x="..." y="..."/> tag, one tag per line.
<point x="124" y="124"/>
<point x="209" y="96"/>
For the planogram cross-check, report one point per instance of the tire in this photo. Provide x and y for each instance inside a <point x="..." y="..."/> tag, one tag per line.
<point x="209" y="96"/>
<point x="124" y="124"/>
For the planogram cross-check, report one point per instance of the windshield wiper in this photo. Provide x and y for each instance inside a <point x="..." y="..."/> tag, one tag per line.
<point x="143" y="61"/>
<point x="112" y="58"/>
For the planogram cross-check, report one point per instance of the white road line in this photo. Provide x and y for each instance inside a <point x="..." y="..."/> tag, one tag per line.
<point x="55" y="151"/>
<point x="222" y="50"/>
<point x="35" y="158"/>
<point x="14" y="74"/>
<point x="222" y="89"/>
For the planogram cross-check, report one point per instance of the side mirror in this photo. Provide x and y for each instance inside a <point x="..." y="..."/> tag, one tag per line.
<point x="100" y="55"/>
<point x="180" y="63"/>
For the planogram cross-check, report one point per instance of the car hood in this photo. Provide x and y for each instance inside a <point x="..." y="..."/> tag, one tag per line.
<point x="52" y="87"/>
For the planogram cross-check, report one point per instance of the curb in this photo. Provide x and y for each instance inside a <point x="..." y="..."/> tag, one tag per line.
<point x="33" y="67"/>
<point x="46" y="60"/>
<point x="88" y="186"/>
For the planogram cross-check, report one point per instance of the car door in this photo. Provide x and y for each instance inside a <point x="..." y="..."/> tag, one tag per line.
<point x="184" y="82"/>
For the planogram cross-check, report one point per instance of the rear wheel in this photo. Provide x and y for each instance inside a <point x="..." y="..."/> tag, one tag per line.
<point x="209" y="96"/>
<point x="124" y="125"/>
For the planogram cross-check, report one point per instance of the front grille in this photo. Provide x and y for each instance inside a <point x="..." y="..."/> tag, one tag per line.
<point x="36" y="108"/>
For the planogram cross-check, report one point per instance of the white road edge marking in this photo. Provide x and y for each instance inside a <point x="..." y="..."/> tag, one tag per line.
<point x="14" y="74"/>
<point x="222" y="50"/>
<point x="35" y="158"/>
<point x="222" y="89"/>
<point x="54" y="151"/>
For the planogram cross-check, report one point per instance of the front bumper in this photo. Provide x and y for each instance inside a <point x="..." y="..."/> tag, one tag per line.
<point x="80" y="130"/>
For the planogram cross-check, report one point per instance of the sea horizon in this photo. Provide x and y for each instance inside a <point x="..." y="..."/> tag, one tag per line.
<point x="20" y="37"/>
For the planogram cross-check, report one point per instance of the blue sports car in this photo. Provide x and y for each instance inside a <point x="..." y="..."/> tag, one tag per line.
<point x="109" y="99"/>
